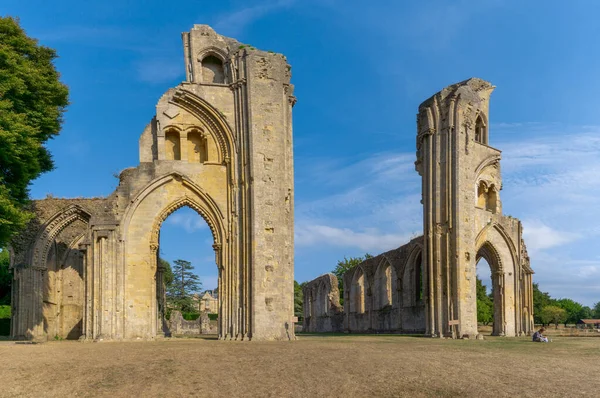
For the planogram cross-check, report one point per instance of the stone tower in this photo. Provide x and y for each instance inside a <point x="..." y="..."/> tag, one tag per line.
<point x="462" y="217"/>
<point x="221" y="144"/>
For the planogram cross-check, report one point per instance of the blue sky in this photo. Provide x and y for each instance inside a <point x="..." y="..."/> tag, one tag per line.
<point x="360" y="69"/>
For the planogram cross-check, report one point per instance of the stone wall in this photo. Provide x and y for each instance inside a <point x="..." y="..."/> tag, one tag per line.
<point x="386" y="293"/>
<point x="177" y="325"/>
<point x="322" y="309"/>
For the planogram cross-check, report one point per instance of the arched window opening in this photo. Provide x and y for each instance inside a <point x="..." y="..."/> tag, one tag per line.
<point x="419" y="278"/>
<point x="385" y="286"/>
<point x="62" y="293"/>
<point x="487" y="197"/>
<point x="492" y="199"/>
<point x="197" y="152"/>
<point x="212" y="70"/>
<point x="323" y="297"/>
<point x="481" y="195"/>
<point x="480" y="131"/>
<point x="357" y="293"/>
<point x="187" y="276"/>
<point x="172" y="145"/>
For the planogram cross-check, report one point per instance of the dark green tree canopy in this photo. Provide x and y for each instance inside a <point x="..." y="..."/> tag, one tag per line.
<point x="183" y="286"/>
<point x="32" y="103"/>
<point x="485" y="304"/>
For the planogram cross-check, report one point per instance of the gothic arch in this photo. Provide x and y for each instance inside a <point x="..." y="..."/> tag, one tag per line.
<point x="497" y="248"/>
<point x="410" y="274"/>
<point x="50" y="230"/>
<point x="209" y="210"/>
<point x="384" y="285"/>
<point x="358" y="291"/>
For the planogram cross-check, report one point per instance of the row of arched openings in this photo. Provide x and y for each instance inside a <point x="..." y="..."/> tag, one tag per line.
<point x="196" y="145"/>
<point x="387" y="288"/>
<point x="487" y="196"/>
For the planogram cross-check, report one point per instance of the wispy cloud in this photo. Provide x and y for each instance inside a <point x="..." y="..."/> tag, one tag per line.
<point x="368" y="240"/>
<point x="539" y="236"/>
<point x="189" y="222"/>
<point x="235" y="22"/>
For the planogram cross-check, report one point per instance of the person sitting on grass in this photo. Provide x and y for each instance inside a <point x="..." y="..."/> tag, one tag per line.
<point x="539" y="336"/>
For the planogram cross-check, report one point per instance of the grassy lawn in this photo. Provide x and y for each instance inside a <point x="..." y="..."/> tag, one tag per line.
<point x="315" y="365"/>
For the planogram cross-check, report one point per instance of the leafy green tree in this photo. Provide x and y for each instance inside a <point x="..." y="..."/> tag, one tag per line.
<point x="553" y="314"/>
<point x="185" y="284"/>
<point x="540" y="300"/>
<point x="5" y="278"/>
<point x="596" y="310"/>
<point x="586" y="313"/>
<point x="32" y="102"/>
<point x="575" y="311"/>
<point x="298" y="299"/>
<point x="345" y="265"/>
<point x="485" y="304"/>
<point x="167" y="273"/>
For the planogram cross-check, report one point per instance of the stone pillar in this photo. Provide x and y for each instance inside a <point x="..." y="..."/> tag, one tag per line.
<point x="160" y="296"/>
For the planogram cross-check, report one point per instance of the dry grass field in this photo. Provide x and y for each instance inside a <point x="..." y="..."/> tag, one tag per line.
<point x="313" y="366"/>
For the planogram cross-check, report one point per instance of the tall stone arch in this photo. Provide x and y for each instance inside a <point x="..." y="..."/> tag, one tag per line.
<point x="31" y="271"/>
<point x="241" y="184"/>
<point x="462" y="215"/>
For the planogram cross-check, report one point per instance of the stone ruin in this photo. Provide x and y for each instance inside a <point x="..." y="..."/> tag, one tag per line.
<point x="322" y="309"/>
<point x="427" y="286"/>
<point x="178" y="326"/>
<point x="221" y="144"/>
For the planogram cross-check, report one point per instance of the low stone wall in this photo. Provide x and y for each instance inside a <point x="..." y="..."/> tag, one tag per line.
<point x="322" y="309"/>
<point x="202" y="325"/>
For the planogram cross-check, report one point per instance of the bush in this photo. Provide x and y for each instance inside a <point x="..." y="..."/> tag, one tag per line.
<point x="213" y="317"/>
<point x="190" y="316"/>
<point x="4" y="311"/>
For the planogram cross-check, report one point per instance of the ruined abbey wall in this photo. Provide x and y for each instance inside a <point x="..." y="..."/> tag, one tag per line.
<point x="221" y="144"/>
<point x="428" y="286"/>
<point x="322" y="309"/>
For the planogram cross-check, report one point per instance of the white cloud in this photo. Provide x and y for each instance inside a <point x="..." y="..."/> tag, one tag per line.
<point x="368" y="240"/>
<point x="188" y="223"/>
<point x="235" y="22"/>
<point x="539" y="236"/>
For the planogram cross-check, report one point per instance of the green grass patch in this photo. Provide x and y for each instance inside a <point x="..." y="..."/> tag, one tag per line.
<point x="4" y="311"/>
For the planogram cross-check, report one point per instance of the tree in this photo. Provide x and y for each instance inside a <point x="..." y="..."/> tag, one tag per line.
<point x="32" y="102"/>
<point x="553" y="314"/>
<point x="540" y="300"/>
<point x="5" y="278"/>
<point x="298" y="299"/>
<point x="185" y="284"/>
<point x="346" y="265"/>
<point x="485" y="304"/>
<point x="167" y="273"/>
<point x="596" y="310"/>
<point x="575" y="311"/>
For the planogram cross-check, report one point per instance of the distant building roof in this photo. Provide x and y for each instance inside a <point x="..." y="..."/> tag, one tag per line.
<point x="589" y="321"/>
